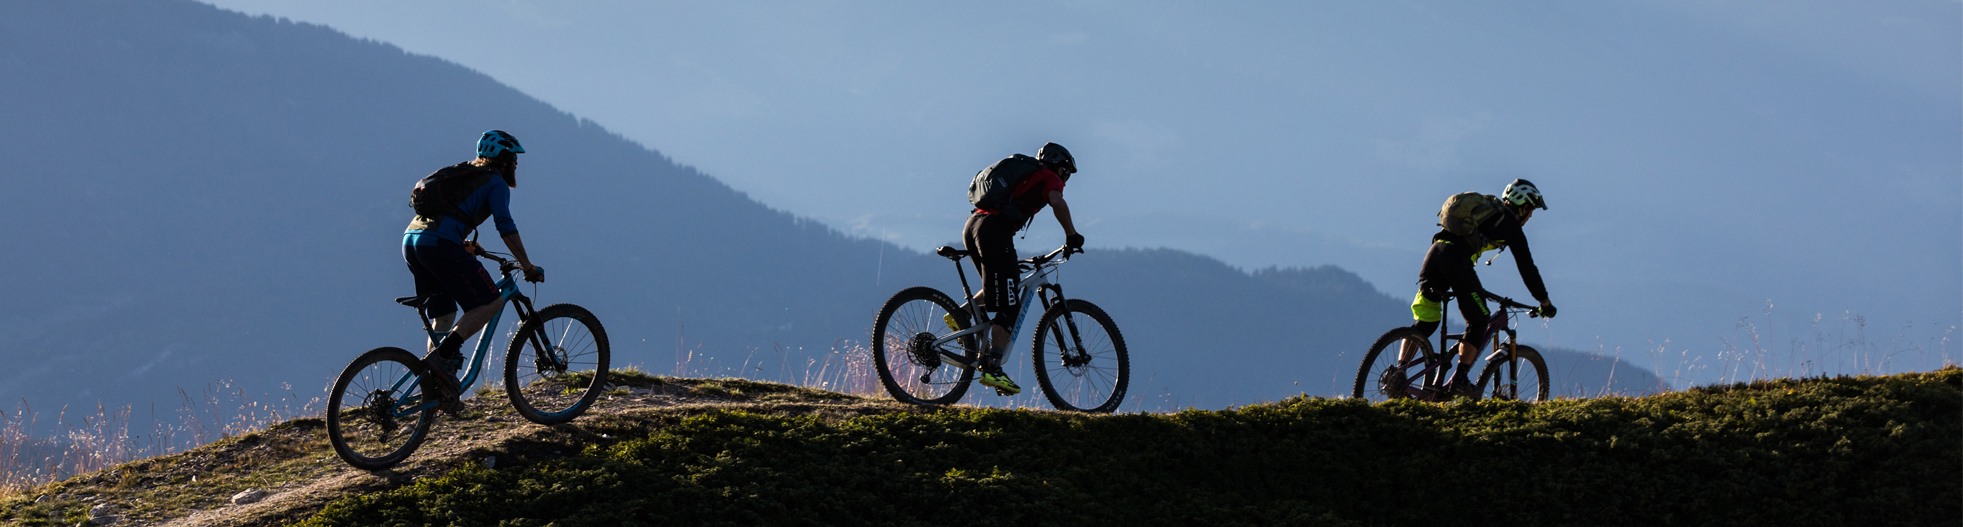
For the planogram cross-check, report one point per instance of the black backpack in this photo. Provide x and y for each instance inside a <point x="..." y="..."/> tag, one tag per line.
<point x="442" y="193"/>
<point x="992" y="186"/>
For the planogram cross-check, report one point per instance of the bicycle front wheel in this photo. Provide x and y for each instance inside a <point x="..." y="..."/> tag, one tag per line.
<point x="1396" y="367"/>
<point x="910" y="365"/>
<point x="372" y="419"/>
<point x="1080" y="358"/>
<point x="1525" y="381"/>
<point x="557" y="364"/>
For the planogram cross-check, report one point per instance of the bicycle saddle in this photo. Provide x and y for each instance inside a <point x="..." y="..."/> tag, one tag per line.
<point x="952" y="253"/>
<point x="412" y="301"/>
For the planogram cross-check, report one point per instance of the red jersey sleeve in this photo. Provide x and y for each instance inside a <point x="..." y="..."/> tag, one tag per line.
<point x="1035" y="191"/>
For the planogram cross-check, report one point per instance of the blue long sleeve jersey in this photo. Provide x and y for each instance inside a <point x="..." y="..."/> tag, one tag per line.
<point x="492" y="200"/>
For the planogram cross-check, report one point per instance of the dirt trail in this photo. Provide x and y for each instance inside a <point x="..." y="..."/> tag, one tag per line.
<point x="299" y="473"/>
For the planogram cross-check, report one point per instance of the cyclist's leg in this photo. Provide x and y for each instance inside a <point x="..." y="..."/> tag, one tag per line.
<point x="995" y="250"/>
<point x="466" y="283"/>
<point x="1427" y="312"/>
<point x="1448" y="267"/>
<point x="437" y="304"/>
<point x="992" y="237"/>
<point x="970" y="240"/>
<point x="1435" y="281"/>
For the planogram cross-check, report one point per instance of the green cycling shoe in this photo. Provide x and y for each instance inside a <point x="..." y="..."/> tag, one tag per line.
<point x="1000" y="382"/>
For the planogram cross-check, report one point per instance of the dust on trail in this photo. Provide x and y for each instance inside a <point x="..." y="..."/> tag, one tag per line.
<point x="297" y="469"/>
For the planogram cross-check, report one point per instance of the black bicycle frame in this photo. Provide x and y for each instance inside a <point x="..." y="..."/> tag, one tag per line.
<point x="1495" y="325"/>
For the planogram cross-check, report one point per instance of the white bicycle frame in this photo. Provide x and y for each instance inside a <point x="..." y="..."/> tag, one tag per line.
<point x="1032" y="282"/>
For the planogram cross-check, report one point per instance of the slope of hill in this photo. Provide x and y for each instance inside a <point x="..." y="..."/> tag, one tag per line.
<point x="1877" y="450"/>
<point x="199" y="195"/>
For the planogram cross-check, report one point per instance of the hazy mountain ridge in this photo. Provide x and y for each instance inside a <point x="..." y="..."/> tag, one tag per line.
<point x="198" y="194"/>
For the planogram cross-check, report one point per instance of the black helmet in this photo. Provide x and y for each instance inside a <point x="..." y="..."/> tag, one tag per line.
<point x="1058" y="159"/>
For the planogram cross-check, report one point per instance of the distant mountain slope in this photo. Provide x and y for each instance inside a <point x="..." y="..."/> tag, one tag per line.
<point x="193" y="194"/>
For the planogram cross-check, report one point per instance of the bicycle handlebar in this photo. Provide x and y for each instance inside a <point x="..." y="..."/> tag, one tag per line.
<point x="1063" y="251"/>
<point x="504" y="265"/>
<point x="1532" y="311"/>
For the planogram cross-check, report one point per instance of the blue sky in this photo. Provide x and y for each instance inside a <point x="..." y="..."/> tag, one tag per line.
<point x="1702" y="160"/>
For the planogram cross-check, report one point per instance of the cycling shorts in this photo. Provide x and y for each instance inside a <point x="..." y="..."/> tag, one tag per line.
<point x="447" y="274"/>
<point x="1448" y="272"/>
<point x="992" y="237"/>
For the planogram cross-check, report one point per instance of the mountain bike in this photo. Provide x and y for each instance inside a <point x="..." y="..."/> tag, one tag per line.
<point x="1512" y="372"/>
<point x="927" y="348"/>
<point x="554" y="368"/>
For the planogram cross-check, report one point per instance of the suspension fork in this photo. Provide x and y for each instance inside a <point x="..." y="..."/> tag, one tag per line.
<point x="542" y="347"/>
<point x="1068" y="321"/>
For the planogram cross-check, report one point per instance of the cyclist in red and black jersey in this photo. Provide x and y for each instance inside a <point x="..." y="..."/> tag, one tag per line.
<point x="990" y="234"/>
<point x="1448" y="271"/>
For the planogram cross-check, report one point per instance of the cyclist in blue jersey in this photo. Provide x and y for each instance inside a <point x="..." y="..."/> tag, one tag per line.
<point x="440" y="255"/>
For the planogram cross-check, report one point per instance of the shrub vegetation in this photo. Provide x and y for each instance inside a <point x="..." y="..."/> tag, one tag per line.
<point x="1838" y="451"/>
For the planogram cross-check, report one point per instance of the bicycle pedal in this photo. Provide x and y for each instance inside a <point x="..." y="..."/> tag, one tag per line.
<point x="1002" y="392"/>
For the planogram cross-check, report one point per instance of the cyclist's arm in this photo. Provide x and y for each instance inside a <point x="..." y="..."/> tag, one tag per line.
<point x="1062" y="211"/>
<point x="1523" y="257"/>
<point x="517" y="246"/>
<point x="501" y="213"/>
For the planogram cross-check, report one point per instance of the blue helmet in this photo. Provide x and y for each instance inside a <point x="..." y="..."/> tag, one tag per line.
<point x="496" y="143"/>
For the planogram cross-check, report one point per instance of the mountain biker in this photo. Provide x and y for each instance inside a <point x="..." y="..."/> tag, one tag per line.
<point x="444" y="264"/>
<point x="1448" y="270"/>
<point x="990" y="234"/>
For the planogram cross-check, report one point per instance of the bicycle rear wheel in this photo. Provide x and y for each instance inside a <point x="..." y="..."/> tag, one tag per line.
<point x="1530" y="384"/>
<point x="371" y="416"/>
<point x="557" y="364"/>
<point x="1382" y="377"/>
<point x="1080" y="359"/>
<point x="910" y="366"/>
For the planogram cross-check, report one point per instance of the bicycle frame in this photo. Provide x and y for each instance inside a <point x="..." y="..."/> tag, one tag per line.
<point x="507" y="292"/>
<point x="1499" y="323"/>
<point x="1035" y="284"/>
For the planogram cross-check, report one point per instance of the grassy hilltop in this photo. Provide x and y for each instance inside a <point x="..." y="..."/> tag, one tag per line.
<point x="1832" y="451"/>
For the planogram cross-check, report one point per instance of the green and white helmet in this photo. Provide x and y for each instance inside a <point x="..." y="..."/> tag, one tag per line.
<point x="497" y="143"/>
<point x="1521" y="193"/>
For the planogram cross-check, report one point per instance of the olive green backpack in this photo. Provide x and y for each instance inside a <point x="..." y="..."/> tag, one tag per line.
<point x="1464" y="212"/>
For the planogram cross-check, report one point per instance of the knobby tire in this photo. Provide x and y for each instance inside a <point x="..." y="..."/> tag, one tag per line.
<point x="1374" y="379"/>
<point x="360" y="421"/>
<point x="909" y="317"/>
<point x="1093" y="379"/>
<point x="1532" y="386"/>
<point x="552" y="385"/>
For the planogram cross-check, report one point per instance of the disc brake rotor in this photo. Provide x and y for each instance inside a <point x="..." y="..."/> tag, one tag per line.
<point x="921" y="350"/>
<point x="379" y="408"/>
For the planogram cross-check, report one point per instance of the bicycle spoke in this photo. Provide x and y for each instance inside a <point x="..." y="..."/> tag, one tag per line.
<point x="1090" y="378"/>
<point x="910" y="366"/>
<point x="556" y="364"/>
<point x="373" y="421"/>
